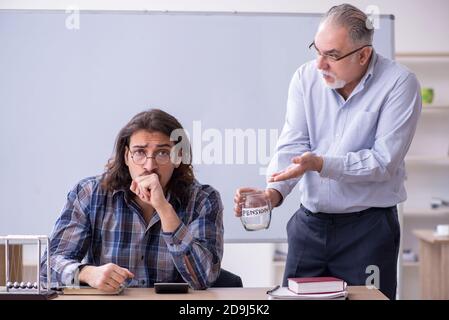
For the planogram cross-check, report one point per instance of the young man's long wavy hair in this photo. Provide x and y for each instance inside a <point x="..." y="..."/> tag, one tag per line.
<point x="117" y="174"/>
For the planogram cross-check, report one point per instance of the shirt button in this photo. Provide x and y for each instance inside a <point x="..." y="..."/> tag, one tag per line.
<point x="141" y="258"/>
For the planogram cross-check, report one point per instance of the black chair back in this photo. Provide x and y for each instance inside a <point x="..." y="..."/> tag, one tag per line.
<point x="227" y="279"/>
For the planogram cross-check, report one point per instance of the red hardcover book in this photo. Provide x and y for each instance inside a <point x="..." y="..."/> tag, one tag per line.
<point x="316" y="285"/>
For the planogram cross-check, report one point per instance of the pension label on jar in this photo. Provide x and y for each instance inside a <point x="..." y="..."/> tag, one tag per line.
<point x="251" y="212"/>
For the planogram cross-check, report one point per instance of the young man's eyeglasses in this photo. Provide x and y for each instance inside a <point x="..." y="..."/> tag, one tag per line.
<point x="140" y="157"/>
<point x="335" y="58"/>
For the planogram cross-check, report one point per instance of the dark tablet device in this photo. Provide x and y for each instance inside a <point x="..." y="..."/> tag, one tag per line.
<point x="169" y="287"/>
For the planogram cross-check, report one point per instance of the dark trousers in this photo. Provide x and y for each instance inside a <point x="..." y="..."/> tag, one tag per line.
<point x="352" y="247"/>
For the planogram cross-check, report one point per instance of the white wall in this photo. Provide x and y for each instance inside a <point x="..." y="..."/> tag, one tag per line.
<point x="421" y="26"/>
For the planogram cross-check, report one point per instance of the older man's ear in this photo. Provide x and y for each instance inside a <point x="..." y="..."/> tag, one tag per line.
<point x="365" y="54"/>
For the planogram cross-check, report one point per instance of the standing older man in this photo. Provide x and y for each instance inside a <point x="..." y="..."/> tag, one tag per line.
<point x="351" y="116"/>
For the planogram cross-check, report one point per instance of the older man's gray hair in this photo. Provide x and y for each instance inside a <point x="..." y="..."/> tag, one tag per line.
<point x="359" y="26"/>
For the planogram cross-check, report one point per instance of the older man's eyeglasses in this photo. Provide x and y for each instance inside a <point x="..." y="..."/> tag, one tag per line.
<point x="140" y="157"/>
<point x="332" y="57"/>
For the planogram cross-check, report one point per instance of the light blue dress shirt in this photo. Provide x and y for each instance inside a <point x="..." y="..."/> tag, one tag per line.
<point x="363" y="140"/>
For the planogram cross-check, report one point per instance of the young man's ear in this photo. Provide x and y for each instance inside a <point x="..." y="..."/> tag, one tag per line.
<point x="126" y="156"/>
<point x="176" y="157"/>
<point x="178" y="163"/>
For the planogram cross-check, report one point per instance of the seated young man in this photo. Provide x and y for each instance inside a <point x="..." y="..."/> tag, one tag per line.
<point x="144" y="220"/>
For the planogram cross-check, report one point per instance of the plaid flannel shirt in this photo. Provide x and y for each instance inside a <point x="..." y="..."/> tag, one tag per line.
<point x="98" y="227"/>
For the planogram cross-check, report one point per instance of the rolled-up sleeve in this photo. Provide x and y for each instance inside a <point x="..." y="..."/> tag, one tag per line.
<point x="396" y="127"/>
<point x="197" y="248"/>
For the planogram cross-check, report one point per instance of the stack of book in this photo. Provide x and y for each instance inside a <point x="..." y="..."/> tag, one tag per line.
<point x="311" y="288"/>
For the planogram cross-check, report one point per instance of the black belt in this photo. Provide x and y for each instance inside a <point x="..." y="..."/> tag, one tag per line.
<point x="324" y="215"/>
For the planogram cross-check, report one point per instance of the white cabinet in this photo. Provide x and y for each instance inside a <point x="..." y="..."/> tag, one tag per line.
<point x="427" y="164"/>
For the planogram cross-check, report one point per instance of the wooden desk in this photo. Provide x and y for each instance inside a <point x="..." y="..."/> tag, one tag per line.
<point x="433" y="265"/>
<point x="354" y="293"/>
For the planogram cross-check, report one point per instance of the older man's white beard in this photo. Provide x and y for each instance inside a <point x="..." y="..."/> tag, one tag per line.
<point x="336" y="84"/>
